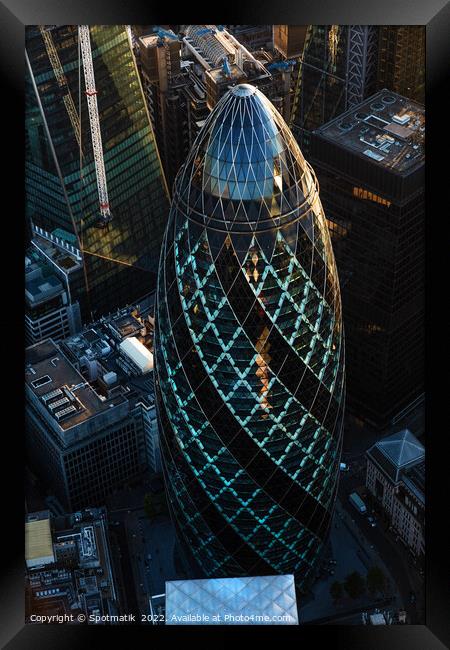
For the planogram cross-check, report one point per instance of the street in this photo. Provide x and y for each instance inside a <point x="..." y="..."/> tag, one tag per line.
<point x="146" y="548"/>
<point x="394" y="555"/>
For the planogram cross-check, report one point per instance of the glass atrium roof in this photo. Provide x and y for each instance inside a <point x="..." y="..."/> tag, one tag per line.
<point x="263" y="600"/>
<point x="245" y="170"/>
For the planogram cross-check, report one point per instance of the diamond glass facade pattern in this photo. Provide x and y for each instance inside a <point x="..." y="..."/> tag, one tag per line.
<point x="261" y="600"/>
<point x="249" y="348"/>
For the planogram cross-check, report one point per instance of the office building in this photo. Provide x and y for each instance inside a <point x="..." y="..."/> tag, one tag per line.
<point x="49" y="312"/>
<point x="69" y="566"/>
<point x="253" y="37"/>
<point x="159" y="61"/>
<point x="128" y="362"/>
<point x="184" y="77"/>
<point x="342" y="65"/>
<point x="396" y="479"/>
<point x="120" y="257"/>
<point x="338" y="70"/>
<point x="289" y="39"/>
<point x="259" y="600"/>
<point x="401" y="60"/>
<point x="223" y="61"/>
<point x="370" y="167"/>
<point x="91" y="420"/>
<point x="249" y="349"/>
<point x="58" y="251"/>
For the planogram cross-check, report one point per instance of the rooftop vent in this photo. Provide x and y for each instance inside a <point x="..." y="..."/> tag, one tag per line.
<point x="373" y="155"/>
<point x="401" y="119"/>
<point x="361" y="116"/>
<point x="59" y="415"/>
<point x="346" y="126"/>
<point x="388" y="99"/>
<point x="54" y="393"/>
<point x="37" y="383"/>
<point x="377" y="106"/>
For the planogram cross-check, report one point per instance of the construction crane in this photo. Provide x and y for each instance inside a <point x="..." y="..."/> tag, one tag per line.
<point x="163" y="34"/>
<point x="226" y="67"/>
<point x="62" y="81"/>
<point x="298" y="84"/>
<point x="281" y="65"/>
<point x="91" y="95"/>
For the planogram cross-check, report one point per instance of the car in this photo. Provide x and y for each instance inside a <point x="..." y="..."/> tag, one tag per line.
<point x="344" y="467"/>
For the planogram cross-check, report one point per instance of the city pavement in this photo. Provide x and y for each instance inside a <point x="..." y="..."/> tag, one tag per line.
<point x="148" y="545"/>
<point x="391" y="552"/>
<point x="352" y="552"/>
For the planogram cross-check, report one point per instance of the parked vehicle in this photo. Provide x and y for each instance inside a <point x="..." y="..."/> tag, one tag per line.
<point x="357" y="503"/>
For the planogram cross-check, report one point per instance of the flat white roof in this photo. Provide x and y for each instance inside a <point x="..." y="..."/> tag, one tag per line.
<point x="38" y="543"/>
<point x="138" y="353"/>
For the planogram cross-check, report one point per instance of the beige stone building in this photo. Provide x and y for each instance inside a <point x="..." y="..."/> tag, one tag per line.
<point x="396" y="479"/>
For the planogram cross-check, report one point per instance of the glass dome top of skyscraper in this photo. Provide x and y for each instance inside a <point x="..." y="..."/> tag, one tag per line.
<point x="245" y="171"/>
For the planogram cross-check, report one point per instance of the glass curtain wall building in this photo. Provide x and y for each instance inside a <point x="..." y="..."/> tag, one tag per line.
<point x="401" y="60"/>
<point x="338" y="70"/>
<point x="120" y="260"/>
<point x="249" y="349"/>
<point x="371" y="172"/>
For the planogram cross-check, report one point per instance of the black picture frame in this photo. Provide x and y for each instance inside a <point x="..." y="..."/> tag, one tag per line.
<point x="14" y="15"/>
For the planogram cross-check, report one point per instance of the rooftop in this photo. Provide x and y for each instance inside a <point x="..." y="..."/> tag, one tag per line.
<point x="38" y="540"/>
<point x="206" y="40"/>
<point x="386" y="128"/>
<point x="397" y="452"/>
<point x="60" y="251"/>
<point x="138" y="353"/>
<point x="125" y="325"/>
<point x="402" y="448"/>
<point x="237" y="600"/>
<point x="40" y="283"/>
<point x="80" y="575"/>
<point x="61" y="389"/>
<point x="414" y="479"/>
<point x="101" y="341"/>
<point x="220" y="76"/>
<point x="210" y="45"/>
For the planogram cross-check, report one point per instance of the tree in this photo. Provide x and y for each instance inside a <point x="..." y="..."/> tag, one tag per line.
<point x="336" y="591"/>
<point x="354" y="585"/>
<point x="149" y="506"/>
<point x="375" y="580"/>
<point x="155" y="504"/>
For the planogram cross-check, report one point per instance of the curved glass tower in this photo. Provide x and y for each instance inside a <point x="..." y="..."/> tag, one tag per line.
<point x="249" y="348"/>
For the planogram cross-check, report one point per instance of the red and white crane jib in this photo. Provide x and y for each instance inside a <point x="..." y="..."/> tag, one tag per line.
<point x="91" y="96"/>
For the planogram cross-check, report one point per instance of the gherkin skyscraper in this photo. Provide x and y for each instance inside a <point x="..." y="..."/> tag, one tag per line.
<point x="249" y="349"/>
